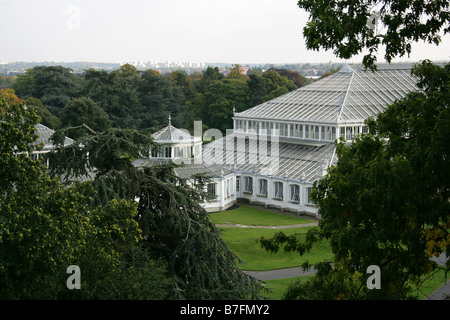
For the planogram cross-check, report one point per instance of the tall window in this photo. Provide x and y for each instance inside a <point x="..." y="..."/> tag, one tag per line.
<point x="275" y="128"/>
<point x="168" y="152"/>
<point x="308" y="193"/>
<point x="248" y="184"/>
<point x="238" y="181"/>
<point x="263" y="187"/>
<point x="306" y="131"/>
<point x="349" y="133"/>
<point x="278" y="190"/>
<point x="265" y="126"/>
<point x="284" y="129"/>
<point x="211" y="189"/>
<point x="295" y="192"/>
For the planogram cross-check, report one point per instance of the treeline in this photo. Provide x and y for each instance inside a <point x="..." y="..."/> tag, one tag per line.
<point x="132" y="99"/>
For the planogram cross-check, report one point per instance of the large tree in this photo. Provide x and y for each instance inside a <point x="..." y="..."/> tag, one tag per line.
<point x="351" y="27"/>
<point x="45" y="228"/>
<point x="53" y="85"/>
<point x="174" y="225"/>
<point x="160" y="97"/>
<point x="84" y="111"/>
<point x="116" y="93"/>
<point x="219" y="100"/>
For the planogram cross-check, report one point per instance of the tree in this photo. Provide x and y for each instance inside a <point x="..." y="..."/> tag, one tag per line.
<point x="159" y="98"/>
<point x="47" y="118"/>
<point x="236" y="73"/>
<point x="84" y="111"/>
<point x="220" y="98"/>
<point x="349" y="27"/>
<point x="175" y="227"/>
<point x="116" y="93"/>
<point x="386" y="202"/>
<point x="268" y="86"/>
<point x="209" y="75"/>
<point x="46" y="227"/>
<point x="54" y="86"/>
<point x="294" y="76"/>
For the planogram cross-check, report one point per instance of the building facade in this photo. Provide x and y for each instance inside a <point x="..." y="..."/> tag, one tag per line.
<point x="278" y="149"/>
<point x="297" y="132"/>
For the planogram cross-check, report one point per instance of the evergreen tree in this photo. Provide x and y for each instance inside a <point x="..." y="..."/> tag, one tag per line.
<point x="174" y="225"/>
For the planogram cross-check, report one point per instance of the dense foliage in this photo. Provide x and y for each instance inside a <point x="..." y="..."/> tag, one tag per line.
<point x="130" y="99"/>
<point x="46" y="227"/>
<point x="353" y="27"/>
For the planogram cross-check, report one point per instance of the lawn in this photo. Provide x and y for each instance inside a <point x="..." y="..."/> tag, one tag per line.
<point x="243" y="242"/>
<point x="255" y="217"/>
<point x="278" y="287"/>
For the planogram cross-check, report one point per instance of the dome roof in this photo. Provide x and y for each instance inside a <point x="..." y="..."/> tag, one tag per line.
<point x="172" y="135"/>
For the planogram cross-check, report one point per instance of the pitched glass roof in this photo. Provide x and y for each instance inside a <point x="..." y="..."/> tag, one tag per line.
<point x="348" y="96"/>
<point x="44" y="133"/>
<point x="287" y="160"/>
<point x="170" y="134"/>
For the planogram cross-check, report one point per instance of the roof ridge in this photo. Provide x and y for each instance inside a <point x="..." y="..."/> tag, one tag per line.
<point x="346" y="91"/>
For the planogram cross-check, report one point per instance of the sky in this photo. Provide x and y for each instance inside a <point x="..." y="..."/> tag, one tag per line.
<point x="229" y="31"/>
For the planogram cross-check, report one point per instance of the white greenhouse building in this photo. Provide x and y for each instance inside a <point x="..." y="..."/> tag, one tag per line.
<point x="276" y="150"/>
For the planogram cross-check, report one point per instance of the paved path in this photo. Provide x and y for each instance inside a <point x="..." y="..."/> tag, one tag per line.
<point x="280" y="273"/>
<point x="229" y="225"/>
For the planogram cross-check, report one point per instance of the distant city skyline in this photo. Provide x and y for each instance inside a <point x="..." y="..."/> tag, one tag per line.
<point x="197" y="31"/>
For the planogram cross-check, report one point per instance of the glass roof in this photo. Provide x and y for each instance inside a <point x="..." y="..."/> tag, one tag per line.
<point x="350" y="95"/>
<point x="299" y="162"/>
<point x="43" y="136"/>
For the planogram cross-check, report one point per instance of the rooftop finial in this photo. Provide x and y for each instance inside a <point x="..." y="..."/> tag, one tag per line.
<point x="170" y="123"/>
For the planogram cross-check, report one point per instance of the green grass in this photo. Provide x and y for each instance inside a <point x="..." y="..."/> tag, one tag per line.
<point x="243" y="242"/>
<point x="431" y="284"/>
<point x="255" y="217"/>
<point x="278" y="287"/>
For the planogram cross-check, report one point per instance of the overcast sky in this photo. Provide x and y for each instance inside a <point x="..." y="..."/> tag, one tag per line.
<point x="232" y="31"/>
